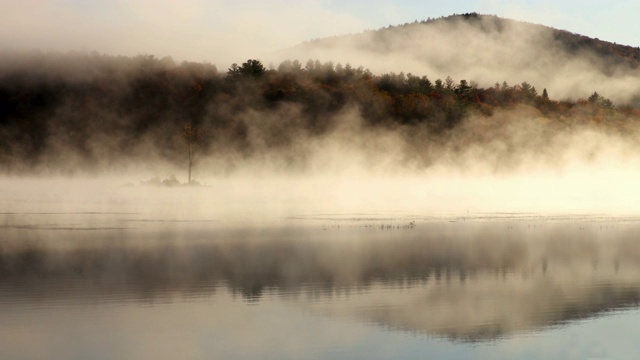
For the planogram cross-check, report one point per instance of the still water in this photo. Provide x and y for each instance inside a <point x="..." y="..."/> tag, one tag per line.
<point x="111" y="276"/>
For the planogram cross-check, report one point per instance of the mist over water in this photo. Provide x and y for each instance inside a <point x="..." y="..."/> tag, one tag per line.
<point x="457" y="278"/>
<point x="332" y="213"/>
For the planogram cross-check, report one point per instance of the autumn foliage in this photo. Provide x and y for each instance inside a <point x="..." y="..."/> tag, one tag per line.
<point x="97" y="110"/>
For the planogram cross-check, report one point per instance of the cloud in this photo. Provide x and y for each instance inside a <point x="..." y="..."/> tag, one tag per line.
<point x="225" y="31"/>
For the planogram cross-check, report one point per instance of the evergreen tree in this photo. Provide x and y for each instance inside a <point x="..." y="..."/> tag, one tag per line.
<point x="545" y="94"/>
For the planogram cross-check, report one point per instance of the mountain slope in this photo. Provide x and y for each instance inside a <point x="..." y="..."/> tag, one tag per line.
<point x="486" y="49"/>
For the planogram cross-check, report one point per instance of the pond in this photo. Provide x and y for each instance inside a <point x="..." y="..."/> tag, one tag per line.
<point x="145" y="273"/>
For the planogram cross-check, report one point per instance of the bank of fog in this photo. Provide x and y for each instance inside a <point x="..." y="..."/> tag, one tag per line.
<point x="513" y="160"/>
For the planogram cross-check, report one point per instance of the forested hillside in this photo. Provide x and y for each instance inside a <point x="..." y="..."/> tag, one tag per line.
<point x="563" y="40"/>
<point x="487" y="48"/>
<point x="70" y="113"/>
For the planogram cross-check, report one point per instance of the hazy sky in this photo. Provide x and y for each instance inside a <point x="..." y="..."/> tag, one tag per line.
<point x="226" y="31"/>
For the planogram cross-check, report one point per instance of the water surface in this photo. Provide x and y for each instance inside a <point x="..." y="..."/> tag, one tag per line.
<point x="114" y="277"/>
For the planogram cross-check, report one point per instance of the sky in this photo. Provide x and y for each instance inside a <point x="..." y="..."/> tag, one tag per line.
<point x="227" y="31"/>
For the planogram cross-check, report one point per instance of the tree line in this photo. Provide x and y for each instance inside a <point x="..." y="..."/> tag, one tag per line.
<point x="99" y="110"/>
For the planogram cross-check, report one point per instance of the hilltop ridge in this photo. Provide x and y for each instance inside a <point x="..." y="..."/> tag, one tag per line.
<point x="485" y="48"/>
<point x="569" y="41"/>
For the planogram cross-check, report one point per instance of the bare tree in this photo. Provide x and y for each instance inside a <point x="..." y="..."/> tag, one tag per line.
<point x="192" y="136"/>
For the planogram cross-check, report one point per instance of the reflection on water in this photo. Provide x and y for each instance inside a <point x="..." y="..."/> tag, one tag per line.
<point x="465" y="279"/>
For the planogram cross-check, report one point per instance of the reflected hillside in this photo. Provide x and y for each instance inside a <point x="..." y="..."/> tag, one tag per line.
<point x="466" y="280"/>
<point x="487" y="306"/>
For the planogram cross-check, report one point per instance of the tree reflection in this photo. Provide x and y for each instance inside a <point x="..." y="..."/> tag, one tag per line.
<point x="483" y="285"/>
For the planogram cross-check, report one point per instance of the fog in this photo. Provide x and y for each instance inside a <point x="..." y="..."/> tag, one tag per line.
<point x="477" y="279"/>
<point x="515" y="163"/>
<point x="214" y="31"/>
<point x="485" y="50"/>
<point x="95" y="115"/>
<point x="220" y="198"/>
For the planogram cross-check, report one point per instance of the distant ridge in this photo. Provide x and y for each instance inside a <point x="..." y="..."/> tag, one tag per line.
<point x="566" y="40"/>
<point x="484" y="48"/>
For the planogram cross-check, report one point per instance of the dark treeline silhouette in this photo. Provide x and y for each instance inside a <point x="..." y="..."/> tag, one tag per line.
<point x="67" y="112"/>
